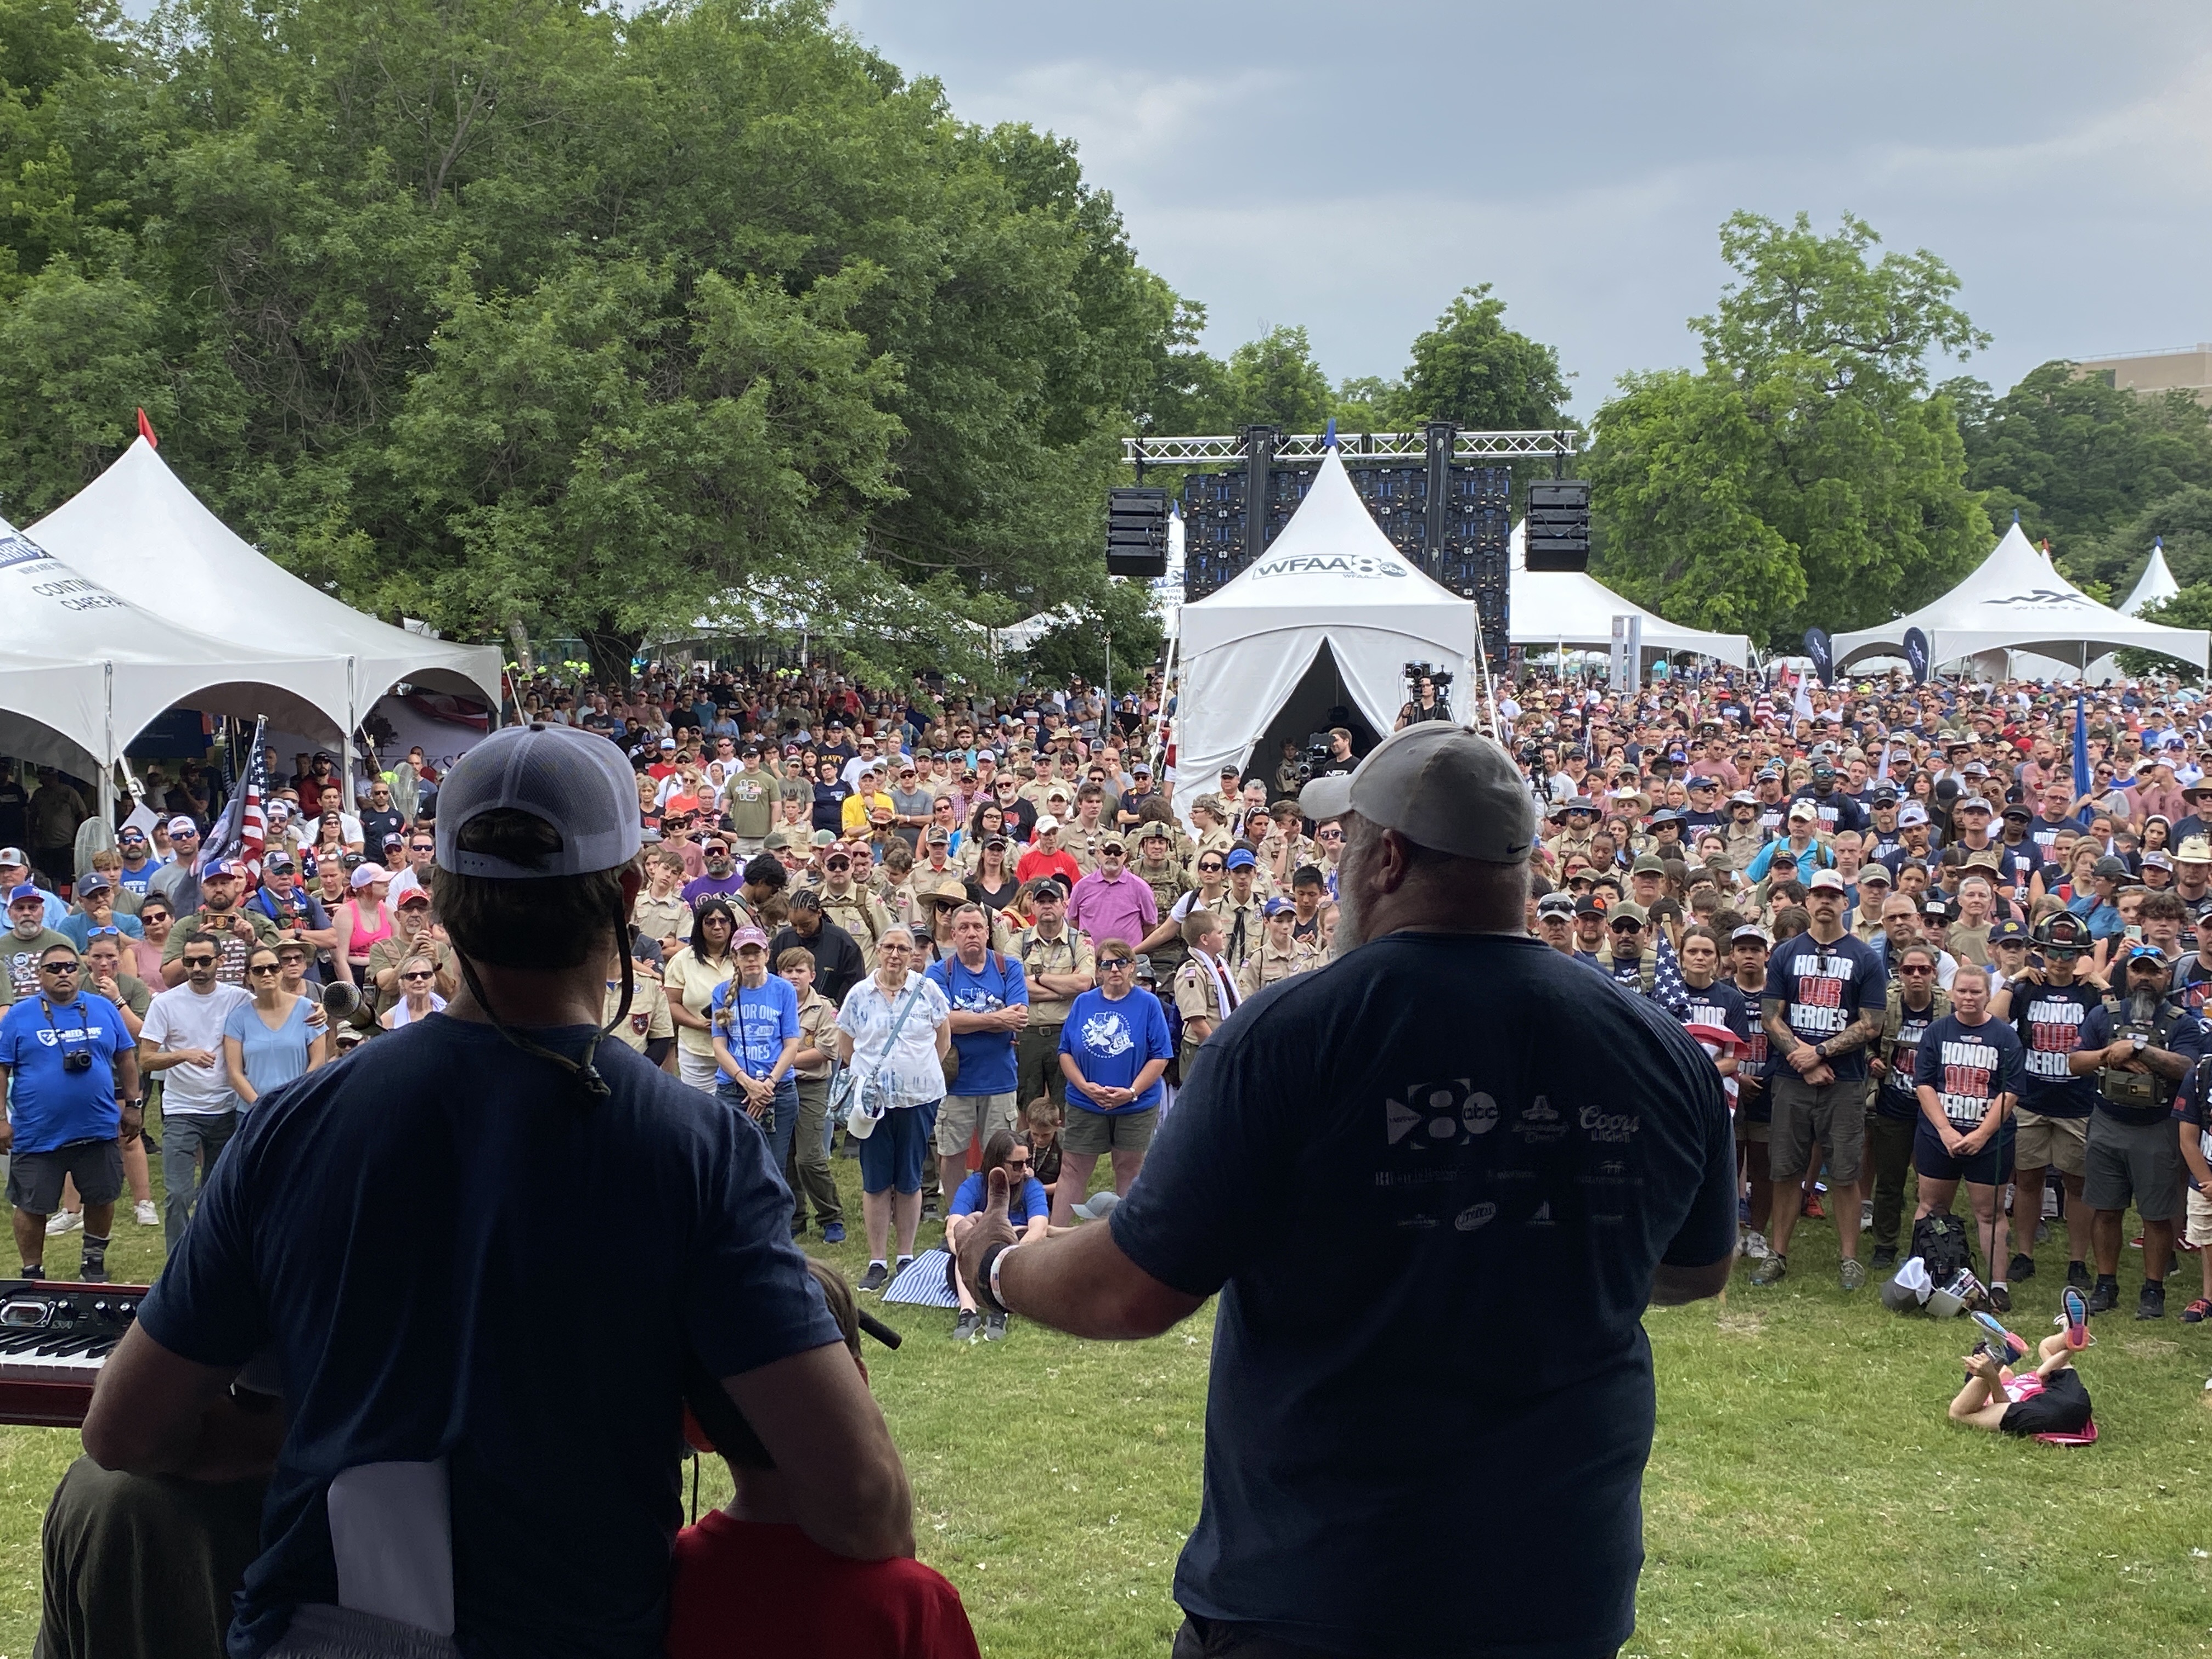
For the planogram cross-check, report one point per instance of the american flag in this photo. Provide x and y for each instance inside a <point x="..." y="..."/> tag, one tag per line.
<point x="241" y="833"/>
<point x="1668" y="988"/>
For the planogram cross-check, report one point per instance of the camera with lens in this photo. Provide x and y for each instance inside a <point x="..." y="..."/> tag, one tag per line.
<point x="1417" y="671"/>
<point x="78" y="1059"/>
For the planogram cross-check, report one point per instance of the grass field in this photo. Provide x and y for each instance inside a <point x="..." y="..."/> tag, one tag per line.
<point x="1805" y="1496"/>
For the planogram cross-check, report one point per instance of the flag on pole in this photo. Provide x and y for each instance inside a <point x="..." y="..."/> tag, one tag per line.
<point x="146" y="431"/>
<point x="1668" y="988"/>
<point x="241" y="834"/>
<point x="1801" y="707"/>
<point x="2081" y="751"/>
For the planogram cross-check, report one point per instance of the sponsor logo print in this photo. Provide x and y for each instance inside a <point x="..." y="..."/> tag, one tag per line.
<point x="1475" y="1215"/>
<point x="1448" y="1113"/>
<point x="1361" y="565"/>
<point x="1611" y="1127"/>
<point x="1540" y="1123"/>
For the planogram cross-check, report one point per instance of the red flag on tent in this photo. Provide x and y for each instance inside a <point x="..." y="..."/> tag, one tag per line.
<point x="146" y="431"/>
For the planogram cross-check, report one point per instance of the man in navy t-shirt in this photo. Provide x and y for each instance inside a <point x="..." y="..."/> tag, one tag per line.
<point x="1505" y="1196"/>
<point x="1825" y="994"/>
<point x="397" y="1233"/>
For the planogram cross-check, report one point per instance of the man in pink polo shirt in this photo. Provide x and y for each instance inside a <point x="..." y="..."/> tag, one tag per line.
<point x="1111" y="902"/>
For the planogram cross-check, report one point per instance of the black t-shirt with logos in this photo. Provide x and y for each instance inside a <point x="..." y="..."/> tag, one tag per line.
<point x="2050" y="1019"/>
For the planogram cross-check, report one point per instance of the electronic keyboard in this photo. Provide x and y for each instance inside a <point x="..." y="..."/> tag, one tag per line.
<point x="54" y="1338"/>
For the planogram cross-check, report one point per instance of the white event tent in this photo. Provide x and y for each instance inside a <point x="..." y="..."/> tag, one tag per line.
<point x="1327" y="619"/>
<point x="137" y="531"/>
<point x="1560" y="608"/>
<point x="2156" y="584"/>
<point x="83" y="670"/>
<point x="2015" y="601"/>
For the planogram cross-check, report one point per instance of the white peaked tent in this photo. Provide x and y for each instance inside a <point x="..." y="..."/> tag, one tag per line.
<point x="83" y="670"/>
<point x="137" y="529"/>
<point x="2155" y="586"/>
<point x="1572" y="607"/>
<point x="1331" y="614"/>
<point x="2015" y="601"/>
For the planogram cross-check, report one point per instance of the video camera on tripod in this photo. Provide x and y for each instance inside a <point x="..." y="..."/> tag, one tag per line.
<point x="1417" y="671"/>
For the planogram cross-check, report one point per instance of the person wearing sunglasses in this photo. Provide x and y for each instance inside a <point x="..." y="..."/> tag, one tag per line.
<point x="267" y="1041"/>
<point x="67" y="1065"/>
<point x="1915" y="1002"/>
<point x="182" y="1039"/>
<point x="1027" y="1209"/>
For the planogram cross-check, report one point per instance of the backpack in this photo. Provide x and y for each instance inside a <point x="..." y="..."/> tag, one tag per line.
<point x="1940" y="1242"/>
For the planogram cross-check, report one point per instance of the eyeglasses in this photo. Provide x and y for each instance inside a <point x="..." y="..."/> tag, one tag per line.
<point x="1116" y="965"/>
<point x="1329" y="835"/>
<point x="1212" y="869"/>
<point x="58" y="967"/>
<point x="1906" y="968"/>
<point x="199" y="962"/>
<point x="1017" y="1164"/>
<point x="410" y="978"/>
<point x="262" y="968"/>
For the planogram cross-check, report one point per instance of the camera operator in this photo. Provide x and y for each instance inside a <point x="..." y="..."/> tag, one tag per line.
<point x="1428" y="700"/>
<point x="1331" y="753"/>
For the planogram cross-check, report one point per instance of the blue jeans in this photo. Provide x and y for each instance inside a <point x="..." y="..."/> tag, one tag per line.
<point x="778" y="1127"/>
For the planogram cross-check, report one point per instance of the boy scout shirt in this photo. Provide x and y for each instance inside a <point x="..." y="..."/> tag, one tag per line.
<point x="1071" y="953"/>
<point x="648" y="1012"/>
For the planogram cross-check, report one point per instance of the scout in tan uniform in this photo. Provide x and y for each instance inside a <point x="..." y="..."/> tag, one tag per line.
<point x="1209" y="815"/>
<point x="1060" y="966"/>
<point x="808" y="1173"/>
<point x="856" y="910"/>
<point x="649" y="1022"/>
<point x="1288" y="846"/>
<point x="1157" y="867"/>
<point x="1282" y="955"/>
<point x="1243" y="925"/>
<point x="1205" y="987"/>
<point x="1082" y="837"/>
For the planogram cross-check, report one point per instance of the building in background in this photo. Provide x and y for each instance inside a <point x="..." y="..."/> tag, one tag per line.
<point x="2186" y="369"/>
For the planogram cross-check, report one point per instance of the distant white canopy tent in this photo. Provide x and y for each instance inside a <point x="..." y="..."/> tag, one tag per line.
<point x="2016" y="601"/>
<point x="2156" y="584"/>
<point x="138" y="530"/>
<point x="1326" y="620"/>
<point x="1562" y="608"/>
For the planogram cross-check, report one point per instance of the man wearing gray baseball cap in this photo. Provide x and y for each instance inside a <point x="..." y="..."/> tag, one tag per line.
<point x="1514" y="1159"/>
<point x="417" y="1234"/>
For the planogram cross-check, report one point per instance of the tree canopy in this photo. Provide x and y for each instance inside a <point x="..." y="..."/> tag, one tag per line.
<point x="1808" y="473"/>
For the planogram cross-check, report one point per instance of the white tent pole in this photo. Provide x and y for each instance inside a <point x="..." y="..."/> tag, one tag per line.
<point x="107" y="754"/>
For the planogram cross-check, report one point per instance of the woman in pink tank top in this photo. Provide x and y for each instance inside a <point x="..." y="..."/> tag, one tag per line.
<point x="362" y="920"/>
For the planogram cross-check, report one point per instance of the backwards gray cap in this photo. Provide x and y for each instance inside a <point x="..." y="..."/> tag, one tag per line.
<point x="575" y="780"/>
<point x="1442" y="787"/>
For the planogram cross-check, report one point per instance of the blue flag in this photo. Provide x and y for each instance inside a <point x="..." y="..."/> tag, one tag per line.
<point x="2081" y="751"/>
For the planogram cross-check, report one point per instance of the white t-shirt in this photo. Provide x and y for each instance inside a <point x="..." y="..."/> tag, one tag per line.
<point x="181" y="1018"/>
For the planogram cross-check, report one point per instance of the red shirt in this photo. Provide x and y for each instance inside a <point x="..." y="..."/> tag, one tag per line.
<point x="745" y="1587"/>
<point x="1061" y="863"/>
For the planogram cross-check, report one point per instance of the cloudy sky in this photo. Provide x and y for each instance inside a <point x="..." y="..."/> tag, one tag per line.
<point x="1351" y="167"/>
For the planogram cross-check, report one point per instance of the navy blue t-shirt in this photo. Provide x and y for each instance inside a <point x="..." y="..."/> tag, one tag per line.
<point x="1822" y="989"/>
<point x="401" y="1228"/>
<point x="1469" y="1323"/>
<point x="987" y="1058"/>
<point x="1970" y="1067"/>
<point x="2050" y="1019"/>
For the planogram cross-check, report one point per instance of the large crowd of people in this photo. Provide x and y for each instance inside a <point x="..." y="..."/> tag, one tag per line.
<point x="969" y="936"/>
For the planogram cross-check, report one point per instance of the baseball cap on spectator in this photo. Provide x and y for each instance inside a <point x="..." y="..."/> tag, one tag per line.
<point x="2109" y="868"/>
<point x="181" y="825"/>
<point x="25" y="890"/>
<point x="573" y="780"/>
<point x="2008" y="932"/>
<point x="1140" y="770"/>
<point x="1047" y="824"/>
<point x="1278" y="906"/>
<point x="412" y="896"/>
<point x="276" y="861"/>
<point x="2142" y="952"/>
<point x="1551" y="904"/>
<point x="1803" y="809"/>
<point x="1821" y="770"/>
<point x="1970" y="804"/>
<point x="1705" y="781"/>
<point x="1874" y="875"/>
<point x="92" y="882"/>
<point x="395" y="841"/>
<point x="2155" y="860"/>
<point x="1885" y="796"/>
<point x="1587" y="906"/>
<point x="823" y="838"/>
<point x="1910" y="813"/>
<point x="1748" y="930"/>
<point x="1441" y="786"/>
<point x="1626" y="911"/>
<point x="1239" y="859"/>
<point x="1743" y="798"/>
<point x="1647" y="866"/>
<point x="667" y="744"/>
<point x="1830" y="880"/>
<point x="938" y="835"/>
<point x="365" y="875"/>
<point x="745" y="937"/>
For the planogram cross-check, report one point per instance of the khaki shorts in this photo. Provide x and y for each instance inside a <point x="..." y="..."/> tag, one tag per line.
<point x="2051" y="1143"/>
<point x="965" y="1117"/>
<point x="2199" y="1231"/>
<point x="1833" y="1114"/>
<point x="1087" y="1133"/>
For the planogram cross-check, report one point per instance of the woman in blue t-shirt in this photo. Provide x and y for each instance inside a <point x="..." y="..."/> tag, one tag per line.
<point x="754" y="1021"/>
<point x="267" y="1041"/>
<point x="1027" y="1208"/>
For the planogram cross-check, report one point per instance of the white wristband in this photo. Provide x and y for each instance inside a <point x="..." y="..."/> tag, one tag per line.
<point x="997" y="1262"/>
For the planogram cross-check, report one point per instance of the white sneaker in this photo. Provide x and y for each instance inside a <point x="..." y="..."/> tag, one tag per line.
<point x="63" y="1221"/>
<point x="1866" y="1214"/>
<point x="147" y="1215"/>
<point x="1755" y="1246"/>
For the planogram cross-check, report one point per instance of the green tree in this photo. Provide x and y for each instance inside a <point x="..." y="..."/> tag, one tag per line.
<point x="1808" y="473"/>
<point x="1122" y="611"/>
<point x="2077" y="457"/>
<point x="2190" y="608"/>
<point x="1472" y="369"/>
<point x="1366" y="403"/>
<point x="1274" y="381"/>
